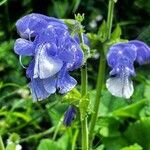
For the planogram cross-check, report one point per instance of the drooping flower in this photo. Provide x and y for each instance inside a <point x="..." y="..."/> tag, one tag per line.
<point x="54" y="54"/>
<point x="121" y="58"/>
<point x="69" y="115"/>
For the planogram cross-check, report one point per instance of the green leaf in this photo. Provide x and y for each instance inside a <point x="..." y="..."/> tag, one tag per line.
<point x="147" y="89"/>
<point x="114" y="143"/>
<point x="138" y="92"/>
<point x="71" y="23"/>
<point x="103" y="32"/>
<point x="60" y="8"/>
<point x="139" y="132"/>
<point x="1" y="144"/>
<point x="92" y="36"/>
<point x="76" y="4"/>
<point x="108" y="103"/>
<point x="47" y="144"/>
<point x="16" y="114"/>
<point x="144" y="32"/>
<point x="94" y="42"/>
<point x="116" y="33"/>
<point x="72" y="97"/>
<point x="101" y="147"/>
<point x="60" y="144"/>
<point x="109" y="126"/>
<point x="130" y="111"/>
<point x="132" y="147"/>
<point x="56" y="112"/>
<point x="63" y="141"/>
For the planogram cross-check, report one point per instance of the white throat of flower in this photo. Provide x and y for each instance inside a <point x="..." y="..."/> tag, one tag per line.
<point x="120" y="85"/>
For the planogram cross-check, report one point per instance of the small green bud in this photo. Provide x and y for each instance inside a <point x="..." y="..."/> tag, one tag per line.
<point x="79" y="17"/>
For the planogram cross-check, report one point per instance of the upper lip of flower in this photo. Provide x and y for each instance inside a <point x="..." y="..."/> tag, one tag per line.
<point x="34" y="23"/>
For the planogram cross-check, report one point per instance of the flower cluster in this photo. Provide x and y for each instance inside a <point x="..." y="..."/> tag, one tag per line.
<point x="121" y="58"/>
<point x="54" y="53"/>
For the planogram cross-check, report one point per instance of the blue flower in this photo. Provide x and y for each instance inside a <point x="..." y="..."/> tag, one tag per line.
<point x="121" y="58"/>
<point x="54" y="54"/>
<point x="69" y="116"/>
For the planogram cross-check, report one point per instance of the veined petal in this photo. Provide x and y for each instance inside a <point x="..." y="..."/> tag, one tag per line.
<point x="42" y="88"/>
<point x="37" y="89"/>
<point x="143" y="51"/>
<point x="120" y="86"/>
<point x="30" y="69"/>
<point x="32" y="24"/>
<point x="24" y="47"/>
<point x="119" y="50"/>
<point x="71" y="54"/>
<point x="123" y="64"/>
<point x="50" y="84"/>
<point x="78" y="59"/>
<point x="51" y="20"/>
<point x="46" y="66"/>
<point x="66" y="52"/>
<point x="65" y="82"/>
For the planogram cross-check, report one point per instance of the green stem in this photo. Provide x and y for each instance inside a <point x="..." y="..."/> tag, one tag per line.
<point x="38" y="135"/>
<point x="110" y="17"/>
<point x="101" y="74"/>
<point x="84" y="134"/>
<point x="73" y="146"/>
<point x="57" y="128"/>
<point x="84" y="80"/>
<point x="84" y="120"/>
<point x="84" y="83"/>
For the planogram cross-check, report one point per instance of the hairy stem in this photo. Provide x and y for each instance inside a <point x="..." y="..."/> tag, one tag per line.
<point x="84" y="83"/>
<point x="84" y="120"/>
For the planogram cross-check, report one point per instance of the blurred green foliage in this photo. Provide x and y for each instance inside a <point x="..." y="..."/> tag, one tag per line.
<point x="121" y="125"/>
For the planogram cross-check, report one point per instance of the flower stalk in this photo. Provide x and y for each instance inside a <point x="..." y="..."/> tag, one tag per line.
<point x="101" y="74"/>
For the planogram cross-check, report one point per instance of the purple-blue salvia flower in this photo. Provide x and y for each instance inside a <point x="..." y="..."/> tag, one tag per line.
<point x="54" y="54"/>
<point x="121" y="58"/>
<point x="69" y="115"/>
